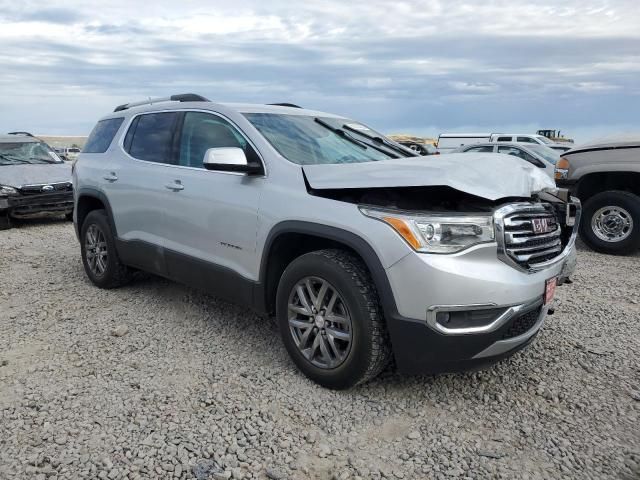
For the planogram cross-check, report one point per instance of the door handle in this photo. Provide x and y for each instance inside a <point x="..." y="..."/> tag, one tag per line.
<point x="175" y="186"/>
<point x="111" y="177"/>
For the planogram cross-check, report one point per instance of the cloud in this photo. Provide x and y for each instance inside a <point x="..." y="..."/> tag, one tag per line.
<point x="421" y="64"/>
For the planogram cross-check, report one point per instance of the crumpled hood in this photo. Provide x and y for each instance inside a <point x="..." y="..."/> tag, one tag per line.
<point x="31" y="174"/>
<point x="487" y="175"/>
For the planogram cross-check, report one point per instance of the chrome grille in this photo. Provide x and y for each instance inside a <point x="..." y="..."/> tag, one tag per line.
<point x="529" y="234"/>
<point x="38" y="189"/>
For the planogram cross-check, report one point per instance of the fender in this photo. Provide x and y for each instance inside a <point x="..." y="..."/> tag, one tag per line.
<point x="353" y="241"/>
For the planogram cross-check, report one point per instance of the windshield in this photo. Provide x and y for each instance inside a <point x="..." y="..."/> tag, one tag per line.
<point x="308" y="140"/>
<point x="548" y="154"/>
<point x="544" y="139"/>
<point x="27" y="152"/>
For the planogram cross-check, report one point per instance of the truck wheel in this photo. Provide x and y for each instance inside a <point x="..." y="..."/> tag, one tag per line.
<point x="99" y="255"/>
<point x="611" y="222"/>
<point x="330" y="319"/>
<point x="5" y="221"/>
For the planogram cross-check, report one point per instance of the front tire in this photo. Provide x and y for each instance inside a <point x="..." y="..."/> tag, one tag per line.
<point x="330" y="319"/>
<point x="99" y="255"/>
<point x="611" y="222"/>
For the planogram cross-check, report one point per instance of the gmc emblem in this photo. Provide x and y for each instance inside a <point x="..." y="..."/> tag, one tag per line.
<point x="542" y="225"/>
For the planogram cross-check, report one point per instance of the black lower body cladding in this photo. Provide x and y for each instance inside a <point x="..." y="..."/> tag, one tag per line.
<point x="418" y="349"/>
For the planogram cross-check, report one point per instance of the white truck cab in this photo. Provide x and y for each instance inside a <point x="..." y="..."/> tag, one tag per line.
<point x="529" y="138"/>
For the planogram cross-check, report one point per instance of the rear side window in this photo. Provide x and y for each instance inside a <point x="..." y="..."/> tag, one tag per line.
<point x="485" y="149"/>
<point x="150" y="137"/>
<point x="512" y="151"/>
<point x="101" y="136"/>
<point x="504" y="139"/>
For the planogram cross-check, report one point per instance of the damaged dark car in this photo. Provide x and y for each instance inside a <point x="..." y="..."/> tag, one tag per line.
<point x="34" y="180"/>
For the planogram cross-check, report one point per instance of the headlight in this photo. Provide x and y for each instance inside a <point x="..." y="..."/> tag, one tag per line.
<point x="437" y="233"/>
<point x="6" y="190"/>
<point x="562" y="169"/>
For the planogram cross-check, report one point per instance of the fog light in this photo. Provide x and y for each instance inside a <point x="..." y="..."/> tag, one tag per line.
<point x="443" y="318"/>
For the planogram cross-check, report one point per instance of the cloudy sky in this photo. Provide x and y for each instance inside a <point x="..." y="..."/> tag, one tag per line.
<point x="421" y="66"/>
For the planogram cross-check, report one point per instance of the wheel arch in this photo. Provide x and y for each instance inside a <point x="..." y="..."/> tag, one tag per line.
<point x="598" y="182"/>
<point x="90" y="199"/>
<point x="290" y="239"/>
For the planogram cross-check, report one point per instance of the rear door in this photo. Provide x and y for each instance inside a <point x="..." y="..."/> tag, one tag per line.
<point x="211" y="221"/>
<point x="136" y="185"/>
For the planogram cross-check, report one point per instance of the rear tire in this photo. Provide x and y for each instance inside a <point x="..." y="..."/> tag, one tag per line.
<point x="355" y="313"/>
<point x="5" y="221"/>
<point x="611" y="222"/>
<point x="99" y="255"/>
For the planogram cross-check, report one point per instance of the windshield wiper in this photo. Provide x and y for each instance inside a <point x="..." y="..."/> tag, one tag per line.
<point x="45" y="160"/>
<point x="404" y="152"/>
<point x="343" y="134"/>
<point x="13" y="159"/>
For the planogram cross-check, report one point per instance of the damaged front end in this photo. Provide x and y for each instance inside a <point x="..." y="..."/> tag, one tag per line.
<point x="535" y="235"/>
<point x="531" y="234"/>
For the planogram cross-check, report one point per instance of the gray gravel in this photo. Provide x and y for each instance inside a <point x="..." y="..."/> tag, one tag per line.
<point x="156" y="380"/>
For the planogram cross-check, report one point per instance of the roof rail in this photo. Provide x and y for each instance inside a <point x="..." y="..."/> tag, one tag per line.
<point x="183" y="97"/>
<point x="292" y="105"/>
<point x="26" y="134"/>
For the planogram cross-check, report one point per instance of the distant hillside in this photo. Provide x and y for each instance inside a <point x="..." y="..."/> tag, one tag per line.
<point x="411" y="138"/>
<point x="60" y="141"/>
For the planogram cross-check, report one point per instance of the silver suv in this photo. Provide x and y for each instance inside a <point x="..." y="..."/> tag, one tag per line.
<point x="363" y="250"/>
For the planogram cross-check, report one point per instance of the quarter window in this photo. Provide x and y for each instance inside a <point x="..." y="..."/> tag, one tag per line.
<point x="101" y="136"/>
<point x="504" y="139"/>
<point x="150" y="137"/>
<point x="202" y="131"/>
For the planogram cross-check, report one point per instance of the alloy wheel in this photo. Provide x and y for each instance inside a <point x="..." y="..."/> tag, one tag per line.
<point x="319" y="322"/>
<point x="96" y="250"/>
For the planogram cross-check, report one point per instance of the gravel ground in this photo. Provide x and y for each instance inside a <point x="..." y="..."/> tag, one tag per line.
<point x="156" y="380"/>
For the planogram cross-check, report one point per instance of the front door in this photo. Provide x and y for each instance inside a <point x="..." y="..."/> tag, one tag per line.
<point x="211" y="221"/>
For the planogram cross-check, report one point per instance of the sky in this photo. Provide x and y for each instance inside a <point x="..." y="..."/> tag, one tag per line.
<point x="420" y="67"/>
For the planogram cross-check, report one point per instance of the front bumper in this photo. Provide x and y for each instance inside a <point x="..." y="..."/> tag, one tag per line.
<point x="455" y="312"/>
<point x="26" y="206"/>
<point x="472" y="281"/>
<point x="425" y="350"/>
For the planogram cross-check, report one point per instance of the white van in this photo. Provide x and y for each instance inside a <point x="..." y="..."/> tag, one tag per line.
<point x="448" y="142"/>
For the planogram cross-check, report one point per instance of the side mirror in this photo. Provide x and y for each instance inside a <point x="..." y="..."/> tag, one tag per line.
<point x="229" y="159"/>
